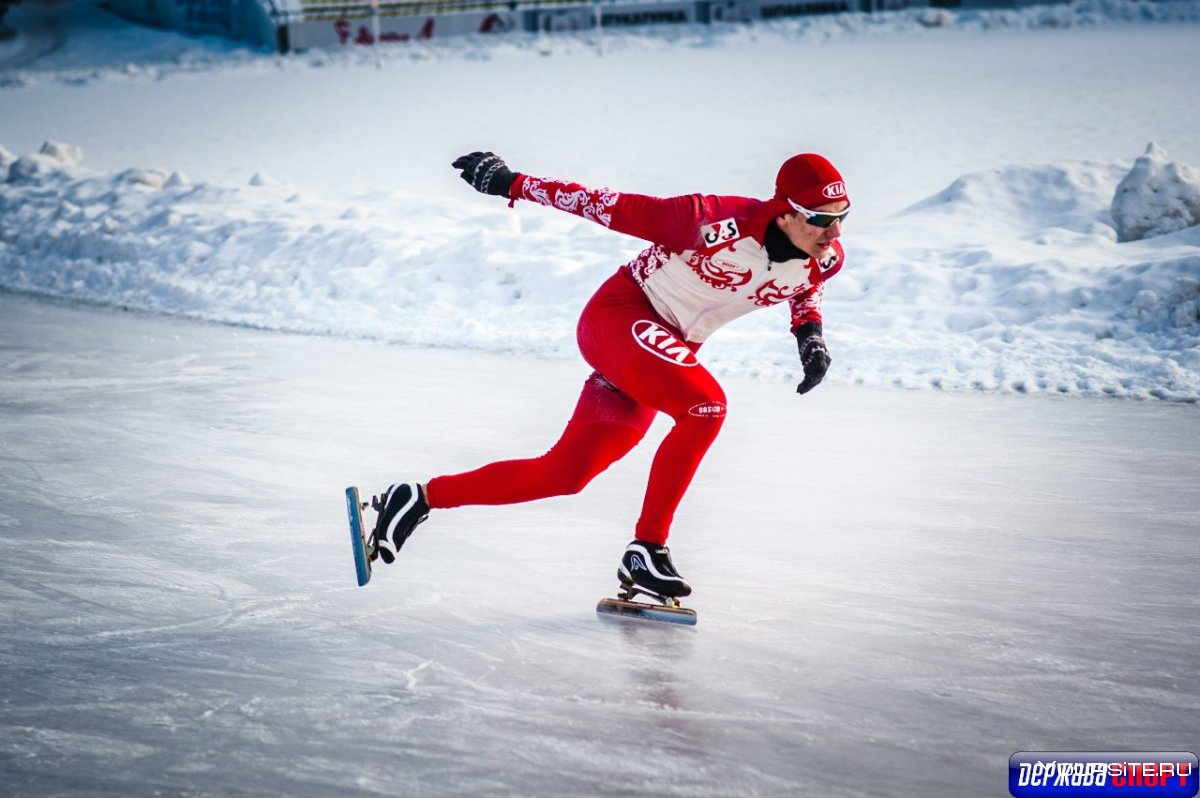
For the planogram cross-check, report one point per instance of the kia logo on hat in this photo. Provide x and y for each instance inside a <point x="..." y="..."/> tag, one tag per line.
<point x="834" y="190"/>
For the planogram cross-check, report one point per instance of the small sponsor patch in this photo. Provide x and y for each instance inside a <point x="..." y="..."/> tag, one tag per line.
<point x="661" y="342"/>
<point x="720" y="233"/>
<point x="707" y="410"/>
<point x="835" y="190"/>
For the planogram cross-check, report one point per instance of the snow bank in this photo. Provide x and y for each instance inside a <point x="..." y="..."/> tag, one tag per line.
<point x="1013" y="279"/>
<point x="389" y="266"/>
<point x="1009" y="280"/>
<point x="1156" y="197"/>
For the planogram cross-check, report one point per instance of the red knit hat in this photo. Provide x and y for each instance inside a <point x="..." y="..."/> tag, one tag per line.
<point x="809" y="180"/>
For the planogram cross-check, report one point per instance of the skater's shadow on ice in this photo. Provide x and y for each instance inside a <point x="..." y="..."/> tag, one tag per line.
<point x="653" y="656"/>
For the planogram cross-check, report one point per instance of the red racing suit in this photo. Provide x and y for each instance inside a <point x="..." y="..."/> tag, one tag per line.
<point x="707" y="265"/>
<point x="709" y="262"/>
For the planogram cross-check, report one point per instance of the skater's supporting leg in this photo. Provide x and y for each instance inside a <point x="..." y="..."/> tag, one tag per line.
<point x="674" y="465"/>
<point x="623" y="338"/>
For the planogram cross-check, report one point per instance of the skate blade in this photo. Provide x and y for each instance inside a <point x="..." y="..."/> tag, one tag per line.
<point x="646" y="612"/>
<point x="358" y="537"/>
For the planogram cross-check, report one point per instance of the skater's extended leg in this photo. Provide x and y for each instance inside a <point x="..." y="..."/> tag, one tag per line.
<point x="584" y="450"/>
<point x="606" y="424"/>
<point x="401" y="508"/>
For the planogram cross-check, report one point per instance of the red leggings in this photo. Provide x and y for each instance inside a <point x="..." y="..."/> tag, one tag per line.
<point x="641" y="367"/>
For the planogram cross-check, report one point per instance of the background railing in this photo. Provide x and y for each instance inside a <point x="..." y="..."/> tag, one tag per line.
<point x="302" y="24"/>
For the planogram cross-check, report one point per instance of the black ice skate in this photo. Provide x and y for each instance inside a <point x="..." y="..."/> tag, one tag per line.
<point x="401" y="509"/>
<point x="647" y="570"/>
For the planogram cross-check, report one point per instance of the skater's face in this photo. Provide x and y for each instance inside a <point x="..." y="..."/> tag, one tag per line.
<point x="814" y="239"/>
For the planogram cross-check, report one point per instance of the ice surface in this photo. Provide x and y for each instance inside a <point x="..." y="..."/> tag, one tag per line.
<point x="902" y="586"/>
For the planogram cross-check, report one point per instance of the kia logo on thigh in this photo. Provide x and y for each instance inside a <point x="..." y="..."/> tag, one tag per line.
<point x="661" y="342"/>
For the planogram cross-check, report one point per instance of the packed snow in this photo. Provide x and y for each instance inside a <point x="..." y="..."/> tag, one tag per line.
<point x="1012" y="276"/>
<point x="1158" y="196"/>
<point x="897" y="589"/>
<point x="1012" y="279"/>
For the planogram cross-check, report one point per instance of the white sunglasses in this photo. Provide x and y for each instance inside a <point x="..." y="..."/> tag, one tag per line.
<point x="820" y="218"/>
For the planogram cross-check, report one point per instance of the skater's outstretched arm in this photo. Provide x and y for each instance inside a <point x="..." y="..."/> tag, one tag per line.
<point x="676" y="223"/>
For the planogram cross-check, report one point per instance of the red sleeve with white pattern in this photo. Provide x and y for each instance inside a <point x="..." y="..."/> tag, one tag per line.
<point x="806" y="306"/>
<point x="672" y="222"/>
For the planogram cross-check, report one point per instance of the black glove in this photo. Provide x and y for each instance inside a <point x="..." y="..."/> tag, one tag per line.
<point x="486" y="172"/>
<point x="813" y="355"/>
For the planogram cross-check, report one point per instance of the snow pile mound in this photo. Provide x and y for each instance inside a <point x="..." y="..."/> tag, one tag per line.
<point x="388" y="266"/>
<point x="1009" y="280"/>
<point x="1157" y="196"/>
<point x="1014" y="279"/>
